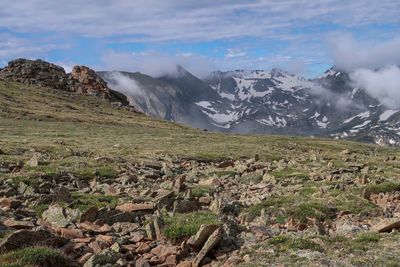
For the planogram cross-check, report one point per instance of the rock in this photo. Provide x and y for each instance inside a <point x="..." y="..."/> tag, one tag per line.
<point x="136" y="237"/>
<point x="165" y="199"/>
<point x="127" y="179"/>
<point x="211" y="242"/>
<point x="132" y="207"/>
<point x="89" y="83"/>
<point x="184" y="264"/>
<point x="197" y="241"/>
<point x="61" y="217"/>
<point x="95" y="246"/>
<point x="106" y="239"/>
<point x="62" y="194"/>
<point x="347" y="228"/>
<point x="35" y="72"/>
<point x="346" y="152"/>
<point x="166" y="254"/>
<point x="98" y="259"/>
<point x="91" y="227"/>
<point x="209" y="182"/>
<point x="25" y="189"/>
<point x="85" y="258"/>
<point x="89" y="215"/>
<point x="34" y="161"/>
<point x="142" y="263"/>
<point x="143" y="248"/>
<point x="27" y="238"/>
<point x="153" y="165"/>
<point x="167" y="170"/>
<point x="150" y="231"/>
<point x="185" y="205"/>
<point x="115" y="247"/>
<point x="158" y="224"/>
<point x="226" y="163"/>
<point x="125" y="228"/>
<point x="204" y="200"/>
<point x="18" y="224"/>
<point x="387" y="225"/>
<point x="71" y="233"/>
<point x="81" y="80"/>
<point x="170" y="261"/>
<point x="179" y="183"/>
<point x="9" y="203"/>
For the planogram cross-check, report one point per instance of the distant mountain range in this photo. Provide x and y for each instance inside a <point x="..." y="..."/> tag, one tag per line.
<point x="261" y="102"/>
<point x="247" y="102"/>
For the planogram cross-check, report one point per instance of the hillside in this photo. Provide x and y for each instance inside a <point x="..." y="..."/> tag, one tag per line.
<point x="112" y="185"/>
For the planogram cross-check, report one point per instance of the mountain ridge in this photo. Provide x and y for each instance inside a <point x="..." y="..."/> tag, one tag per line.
<point x="277" y="102"/>
<point x="240" y="101"/>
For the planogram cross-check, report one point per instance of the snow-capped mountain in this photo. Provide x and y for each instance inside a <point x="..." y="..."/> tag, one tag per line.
<point x="273" y="102"/>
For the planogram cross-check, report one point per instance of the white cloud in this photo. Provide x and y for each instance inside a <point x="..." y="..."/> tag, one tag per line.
<point x="350" y="54"/>
<point x="383" y="84"/>
<point x="234" y="53"/>
<point x="124" y="84"/>
<point x="160" y="20"/>
<point x="13" y="47"/>
<point x="156" y="64"/>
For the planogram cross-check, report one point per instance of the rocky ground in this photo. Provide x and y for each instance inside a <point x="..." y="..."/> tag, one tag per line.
<point x="85" y="182"/>
<point x="181" y="212"/>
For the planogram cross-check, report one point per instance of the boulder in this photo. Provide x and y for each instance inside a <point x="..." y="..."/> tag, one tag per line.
<point x="18" y="224"/>
<point x="9" y="203"/>
<point x="131" y="207"/>
<point x="387" y="225"/>
<point x="185" y="205"/>
<point x="27" y="238"/>
<point x="197" y="241"/>
<point x="60" y="217"/>
<point x="211" y="242"/>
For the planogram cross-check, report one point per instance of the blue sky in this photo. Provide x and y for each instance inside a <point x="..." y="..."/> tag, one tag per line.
<point x="150" y="36"/>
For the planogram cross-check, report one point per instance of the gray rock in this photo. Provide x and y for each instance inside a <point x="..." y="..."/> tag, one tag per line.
<point x="61" y="217"/>
<point x="211" y="242"/>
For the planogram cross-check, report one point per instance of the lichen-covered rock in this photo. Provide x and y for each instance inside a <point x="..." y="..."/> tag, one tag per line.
<point x="61" y="217"/>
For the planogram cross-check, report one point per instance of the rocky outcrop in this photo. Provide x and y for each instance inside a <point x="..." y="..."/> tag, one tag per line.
<point x="36" y="72"/>
<point x="81" y="80"/>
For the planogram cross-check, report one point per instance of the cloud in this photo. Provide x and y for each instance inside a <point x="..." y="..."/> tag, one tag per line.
<point x="383" y="84"/>
<point x="296" y="66"/>
<point x="156" y="64"/>
<point x="234" y="53"/>
<point x="12" y="47"/>
<point x="372" y="66"/>
<point x="350" y="54"/>
<point x="160" y="20"/>
<point x="123" y="84"/>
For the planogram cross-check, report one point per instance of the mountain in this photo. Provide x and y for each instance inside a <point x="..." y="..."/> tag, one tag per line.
<point x="264" y="102"/>
<point x="172" y="98"/>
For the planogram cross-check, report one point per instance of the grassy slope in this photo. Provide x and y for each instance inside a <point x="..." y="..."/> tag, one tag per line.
<point x="45" y="116"/>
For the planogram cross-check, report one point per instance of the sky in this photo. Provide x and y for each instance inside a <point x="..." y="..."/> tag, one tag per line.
<point x="301" y="36"/>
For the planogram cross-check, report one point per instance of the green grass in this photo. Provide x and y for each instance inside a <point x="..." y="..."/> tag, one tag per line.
<point x="299" y="208"/>
<point x="181" y="225"/>
<point x="33" y="256"/>
<point x="384" y="187"/>
<point x="201" y="190"/>
<point x="83" y="202"/>
<point x="284" y="243"/>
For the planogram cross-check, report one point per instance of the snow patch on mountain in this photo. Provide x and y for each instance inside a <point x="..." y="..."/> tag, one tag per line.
<point x="387" y="114"/>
